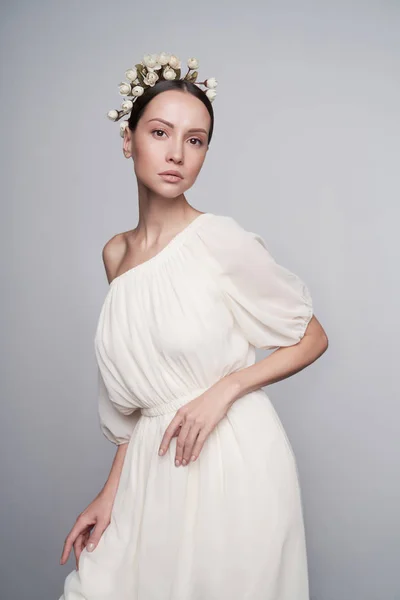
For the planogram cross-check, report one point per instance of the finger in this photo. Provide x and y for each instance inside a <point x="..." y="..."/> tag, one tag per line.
<point x="69" y="540"/>
<point x="181" y="440"/>
<point x="78" y="547"/>
<point x="96" y="534"/>
<point x="80" y="525"/>
<point x="190" y="442"/>
<point x="198" y="446"/>
<point x="169" y="433"/>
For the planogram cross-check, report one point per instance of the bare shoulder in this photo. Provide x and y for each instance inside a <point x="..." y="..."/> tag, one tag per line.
<point x="113" y="254"/>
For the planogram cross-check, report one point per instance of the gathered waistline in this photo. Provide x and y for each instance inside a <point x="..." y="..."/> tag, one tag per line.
<point x="173" y="405"/>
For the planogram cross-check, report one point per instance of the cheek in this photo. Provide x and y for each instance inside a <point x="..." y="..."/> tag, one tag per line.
<point x="195" y="164"/>
<point x="194" y="156"/>
<point x="145" y="151"/>
<point x="146" y="158"/>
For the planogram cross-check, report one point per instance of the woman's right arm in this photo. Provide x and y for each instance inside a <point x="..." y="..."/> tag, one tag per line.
<point x="111" y="485"/>
<point x="97" y="515"/>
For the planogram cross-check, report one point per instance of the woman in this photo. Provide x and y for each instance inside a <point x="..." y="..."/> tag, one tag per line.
<point x="217" y="514"/>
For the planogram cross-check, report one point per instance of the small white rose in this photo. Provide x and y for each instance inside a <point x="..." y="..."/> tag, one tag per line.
<point x="137" y="90"/>
<point x="211" y="83"/>
<point x="163" y="58"/>
<point x="124" y="88"/>
<point x="193" y="63"/>
<point x="151" y="78"/>
<point x="122" y="127"/>
<point x="156" y="67"/>
<point x="211" y="94"/>
<point x="169" y="74"/>
<point x="131" y="74"/>
<point x="174" y="62"/>
<point x="150" y="60"/>
<point x="127" y="105"/>
<point x="113" y="115"/>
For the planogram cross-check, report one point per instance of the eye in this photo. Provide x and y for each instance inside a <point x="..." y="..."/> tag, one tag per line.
<point x="200" y="142"/>
<point x="154" y="130"/>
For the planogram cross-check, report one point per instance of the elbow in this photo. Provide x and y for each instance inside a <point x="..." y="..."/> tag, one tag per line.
<point x="318" y="334"/>
<point x="323" y="343"/>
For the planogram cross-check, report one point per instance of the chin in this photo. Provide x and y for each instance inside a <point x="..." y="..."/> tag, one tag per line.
<point x="168" y="190"/>
<point x="173" y="193"/>
<point x="171" y="190"/>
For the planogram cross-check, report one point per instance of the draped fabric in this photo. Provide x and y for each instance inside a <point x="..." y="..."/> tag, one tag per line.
<point x="230" y="524"/>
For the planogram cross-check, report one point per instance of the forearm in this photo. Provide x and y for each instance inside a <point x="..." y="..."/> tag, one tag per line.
<point x="111" y="485"/>
<point x="282" y="363"/>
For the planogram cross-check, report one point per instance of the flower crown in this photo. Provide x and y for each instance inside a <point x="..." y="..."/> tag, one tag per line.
<point x="153" y="68"/>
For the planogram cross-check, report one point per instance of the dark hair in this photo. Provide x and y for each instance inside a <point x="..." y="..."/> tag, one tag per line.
<point x="162" y="86"/>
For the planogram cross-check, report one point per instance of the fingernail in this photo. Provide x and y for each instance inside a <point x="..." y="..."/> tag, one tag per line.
<point x="90" y="547"/>
<point x="193" y="457"/>
<point x="184" y="462"/>
<point x="161" y="452"/>
<point x="177" y="463"/>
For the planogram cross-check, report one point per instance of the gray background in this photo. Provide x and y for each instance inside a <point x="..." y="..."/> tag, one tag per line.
<point x="305" y="152"/>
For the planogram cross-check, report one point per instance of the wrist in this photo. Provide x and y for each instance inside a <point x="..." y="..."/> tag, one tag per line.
<point x="232" y="389"/>
<point x="109" y="490"/>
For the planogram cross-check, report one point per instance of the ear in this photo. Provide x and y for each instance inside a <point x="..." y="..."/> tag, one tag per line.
<point x="127" y="143"/>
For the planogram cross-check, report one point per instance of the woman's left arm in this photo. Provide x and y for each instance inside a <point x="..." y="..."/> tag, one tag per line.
<point x="194" y="421"/>
<point x="280" y="364"/>
<point x="272" y="308"/>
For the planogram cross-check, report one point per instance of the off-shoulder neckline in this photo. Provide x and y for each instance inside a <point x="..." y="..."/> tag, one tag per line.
<point x="175" y="241"/>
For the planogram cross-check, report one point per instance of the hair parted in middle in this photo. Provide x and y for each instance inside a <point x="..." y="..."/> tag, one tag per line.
<point x="163" y="86"/>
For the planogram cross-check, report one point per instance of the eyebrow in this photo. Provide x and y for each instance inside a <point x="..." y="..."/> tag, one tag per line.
<point x="172" y="125"/>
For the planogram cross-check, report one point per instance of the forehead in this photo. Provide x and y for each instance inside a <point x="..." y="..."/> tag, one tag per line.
<point x="180" y="108"/>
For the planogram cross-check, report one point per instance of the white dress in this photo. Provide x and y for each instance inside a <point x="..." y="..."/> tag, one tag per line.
<point x="228" y="526"/>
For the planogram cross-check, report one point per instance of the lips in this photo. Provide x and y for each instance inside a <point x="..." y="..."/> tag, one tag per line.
<point x="174" y="173"/>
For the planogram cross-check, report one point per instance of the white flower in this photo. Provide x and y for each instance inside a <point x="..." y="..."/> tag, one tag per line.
<point x="211" y="94"/>
<point x="131" y="74"/>
<point x="174" y="62"/>
<point x="193" y="63"/>
<point x="169" y="74"/>
<point x="124" y="88"/>
<point x="150" y="60"/>
<point x="122" y="127"/>
<point x="113" y="115"/>
<point x="163" y="58"/>
<point x="127" y="105"/>
<point x="151" y="78"/>
<point x="137" y="90"/>
<point x="211" y="83"/>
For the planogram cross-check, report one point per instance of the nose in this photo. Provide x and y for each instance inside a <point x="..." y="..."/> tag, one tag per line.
<point x="175" y="152"/>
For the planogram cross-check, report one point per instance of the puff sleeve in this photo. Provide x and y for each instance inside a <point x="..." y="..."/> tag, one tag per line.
<point x="117" y="426"/>
<point x="270" y="304"/>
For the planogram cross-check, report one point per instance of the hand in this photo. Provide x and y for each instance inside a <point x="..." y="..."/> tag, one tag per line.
<point x="194" y="422"/>
<point x="97" y="515"/>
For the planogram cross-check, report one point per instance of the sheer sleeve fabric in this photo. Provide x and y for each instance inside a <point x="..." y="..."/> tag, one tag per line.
<point x="115" y="425"/>
<point x="270" y="304"/>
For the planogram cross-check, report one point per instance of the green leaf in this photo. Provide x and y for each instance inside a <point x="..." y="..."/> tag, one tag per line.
<point x="141" y="73"/>
<point x="191" y="76"/>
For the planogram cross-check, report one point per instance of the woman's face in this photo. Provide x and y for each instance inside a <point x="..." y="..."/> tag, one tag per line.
<point x="171" y="134"/>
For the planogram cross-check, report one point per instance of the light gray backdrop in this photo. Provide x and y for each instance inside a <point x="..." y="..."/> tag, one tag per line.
<point x="305" y="152"/>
